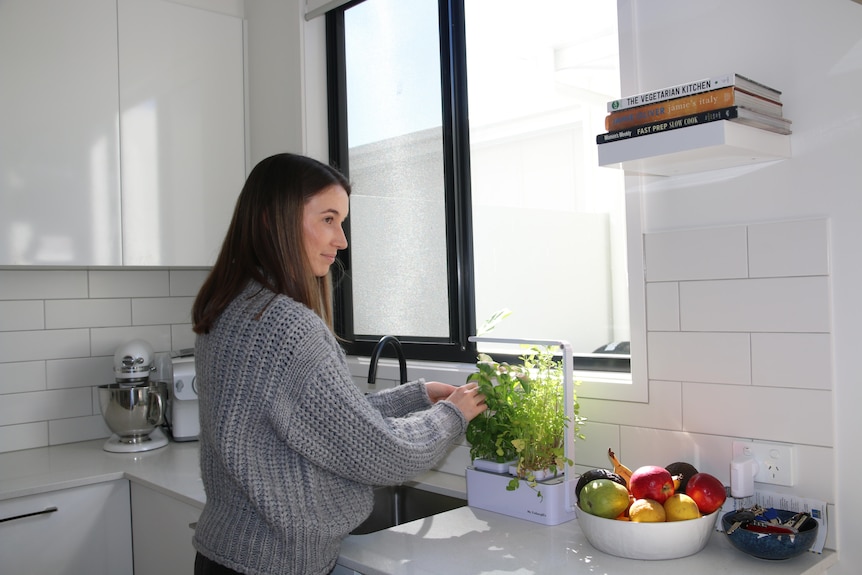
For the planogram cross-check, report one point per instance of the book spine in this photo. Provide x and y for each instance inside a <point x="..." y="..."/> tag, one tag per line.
<point x="676" y="108"/>
<point x="696" y="87"/>
<point x="728" y="113"/>
<point x="672" y="92"/>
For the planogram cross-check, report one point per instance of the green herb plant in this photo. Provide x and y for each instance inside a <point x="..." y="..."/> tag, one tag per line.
<point x="525" y="420"/>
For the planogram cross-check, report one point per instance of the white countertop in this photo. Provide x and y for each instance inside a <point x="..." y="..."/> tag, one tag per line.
<point x="173" y="470"/>
<point x="470" y="541"/>
<point x="464" y="541"/>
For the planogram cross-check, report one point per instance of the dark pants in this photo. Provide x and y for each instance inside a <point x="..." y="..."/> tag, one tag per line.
<point x="204" y="566"/>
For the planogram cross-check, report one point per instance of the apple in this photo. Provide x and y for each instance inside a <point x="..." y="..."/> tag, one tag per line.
<point x="651" y="482"/>
<point x="707" y="491"/>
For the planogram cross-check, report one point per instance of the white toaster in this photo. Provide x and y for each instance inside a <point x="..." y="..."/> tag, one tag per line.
<point x="182" y="413"/>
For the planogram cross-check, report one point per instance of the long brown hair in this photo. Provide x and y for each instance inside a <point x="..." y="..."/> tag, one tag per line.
<point x="264" y="240"/>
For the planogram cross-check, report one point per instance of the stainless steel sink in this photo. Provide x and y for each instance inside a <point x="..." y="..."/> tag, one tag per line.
<point x="402" y="503"/>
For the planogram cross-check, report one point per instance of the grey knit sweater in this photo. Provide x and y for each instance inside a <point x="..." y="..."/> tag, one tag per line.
<point x="289" y="447"/>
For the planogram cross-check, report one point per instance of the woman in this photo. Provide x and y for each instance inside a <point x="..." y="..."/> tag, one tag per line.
<point x="290" y="448"/>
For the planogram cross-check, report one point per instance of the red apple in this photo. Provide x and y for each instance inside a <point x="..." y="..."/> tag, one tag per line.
<point x="707" y="491"/>
<point x="651" y="482"/>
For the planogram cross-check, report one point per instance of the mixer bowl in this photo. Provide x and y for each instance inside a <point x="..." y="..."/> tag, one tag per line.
<point x="132" y="412"/>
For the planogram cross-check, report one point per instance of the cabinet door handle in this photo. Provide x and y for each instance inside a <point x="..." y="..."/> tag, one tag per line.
<point x="23" y="515"/>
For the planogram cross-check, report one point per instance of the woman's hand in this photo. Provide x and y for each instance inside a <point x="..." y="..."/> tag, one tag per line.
<point x="468" y="399"/>
<point x="438" y="391"/>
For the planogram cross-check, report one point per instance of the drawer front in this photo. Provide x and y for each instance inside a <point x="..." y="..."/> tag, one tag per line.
<point x="83" y="529"/>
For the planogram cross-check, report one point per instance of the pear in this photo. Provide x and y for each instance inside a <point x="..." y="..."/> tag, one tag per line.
<point x="604" y="498"/>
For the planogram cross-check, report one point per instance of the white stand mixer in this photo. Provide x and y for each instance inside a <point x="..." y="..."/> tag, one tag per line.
<point x="133" y="407"/>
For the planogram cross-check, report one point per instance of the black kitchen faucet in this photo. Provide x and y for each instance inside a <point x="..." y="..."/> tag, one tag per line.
<point x="375" y="357"/>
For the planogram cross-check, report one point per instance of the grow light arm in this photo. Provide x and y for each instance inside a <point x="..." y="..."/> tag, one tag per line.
<point x="569" y="397"/>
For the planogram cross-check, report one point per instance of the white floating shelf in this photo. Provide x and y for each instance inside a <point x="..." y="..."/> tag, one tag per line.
<point x="710" y="146"/>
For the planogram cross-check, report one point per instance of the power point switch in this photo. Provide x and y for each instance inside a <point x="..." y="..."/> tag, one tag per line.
<point x="775" y="461"/>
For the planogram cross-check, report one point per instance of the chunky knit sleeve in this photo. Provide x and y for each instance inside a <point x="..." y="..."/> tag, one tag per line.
<point x="401" y="400"/>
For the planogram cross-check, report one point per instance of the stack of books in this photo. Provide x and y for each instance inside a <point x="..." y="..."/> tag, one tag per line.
<point x="728" y="97"/>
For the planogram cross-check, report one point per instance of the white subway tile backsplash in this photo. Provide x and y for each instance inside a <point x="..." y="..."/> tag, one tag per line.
<point x="592" y="452"/>
<point x="45" y="405"/>
<point x="798" y="248"/>
<point x="752" y="349"/>
<point x="662" y="301"/>
<point x="94" y="398"/>
<point x="794" y="304"/>
<point x="162" y="310"/>
<point x="75" y="429"/>
<point x="643" y="446"/>
<point x="456" y="461"/>
<point x="17" y="377"/>
<point x="182" y="336"/>
<point x="23" y="436"/>
<point x="106" y="340"/>
<point x="699" y="356"/>
<point x="42" y="284"/>
<point x="22" y="315"/>
<point x="48" y="344"/>
<point x="809" y="477"/>
<point x="66" y="313"/>
<point x="187" y="282"/>
<point x="787" y="415"/>
<point x="696" y="254"/>
<point x="664" y="410"/>
<point x="799" y="360"/>
<point x="58" y="333"/>
<point x="129" y="283"/>
<point x="80" y="372"/>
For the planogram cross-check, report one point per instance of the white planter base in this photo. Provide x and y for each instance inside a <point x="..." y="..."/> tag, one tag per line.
<point x="488" y="491"/>
<point x="493" y="466"/>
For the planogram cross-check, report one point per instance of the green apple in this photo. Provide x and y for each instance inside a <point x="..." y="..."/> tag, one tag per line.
<point x="604" y="498"/>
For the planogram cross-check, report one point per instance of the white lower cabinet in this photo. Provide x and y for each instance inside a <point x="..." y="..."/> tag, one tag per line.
<point x="72" y="531"/>
<point x="162" y="530"/>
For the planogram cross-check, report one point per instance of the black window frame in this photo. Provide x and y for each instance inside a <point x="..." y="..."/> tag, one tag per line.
<point x="458" y="201"/>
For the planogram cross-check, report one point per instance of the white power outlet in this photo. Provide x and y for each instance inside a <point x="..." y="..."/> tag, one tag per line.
<point x="775" y="461"/>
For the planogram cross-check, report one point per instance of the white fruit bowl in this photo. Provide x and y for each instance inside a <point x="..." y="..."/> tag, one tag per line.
<point x="650" y="541"/>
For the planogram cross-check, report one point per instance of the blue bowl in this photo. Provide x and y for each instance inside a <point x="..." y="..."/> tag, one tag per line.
<point x="773" y="546"/>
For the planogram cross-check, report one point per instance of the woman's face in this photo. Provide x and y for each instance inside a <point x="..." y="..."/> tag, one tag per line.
<point x="322" y="218"/>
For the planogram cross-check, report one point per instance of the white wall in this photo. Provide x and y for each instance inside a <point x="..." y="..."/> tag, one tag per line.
<point x="812" y="51"/>
<point x="287" y="80"/>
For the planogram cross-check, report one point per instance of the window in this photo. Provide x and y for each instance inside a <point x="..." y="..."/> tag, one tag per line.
<point x="468" y="130"/>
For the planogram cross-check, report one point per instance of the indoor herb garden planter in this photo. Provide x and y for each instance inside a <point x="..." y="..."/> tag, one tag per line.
<point x="531" y="419"/>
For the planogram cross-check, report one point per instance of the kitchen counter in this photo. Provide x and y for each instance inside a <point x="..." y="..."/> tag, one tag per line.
<point x="464" y="541"/>
<point x="470" y="541"/>
<point x="172" y="470"/>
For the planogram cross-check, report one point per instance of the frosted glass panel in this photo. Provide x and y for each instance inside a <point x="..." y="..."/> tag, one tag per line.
<point x="397" y="211"/>
<point x="548" y="222"/>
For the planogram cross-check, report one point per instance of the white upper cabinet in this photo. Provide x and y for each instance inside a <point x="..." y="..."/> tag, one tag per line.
<point x="182" y="137"/>
<point x="59" y="136"/>
<point x="122" y="131"/>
